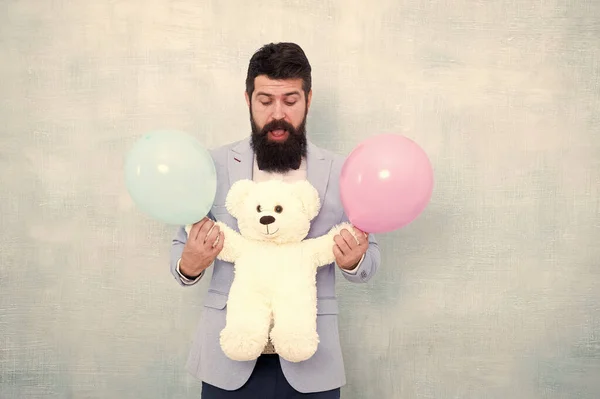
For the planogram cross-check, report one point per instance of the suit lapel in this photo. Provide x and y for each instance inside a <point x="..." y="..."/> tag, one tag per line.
<point x="240" y="161"/>
<point x="318" y="168"/>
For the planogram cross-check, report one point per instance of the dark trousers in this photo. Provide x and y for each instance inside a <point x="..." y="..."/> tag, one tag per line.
<point x="266" y="382"/>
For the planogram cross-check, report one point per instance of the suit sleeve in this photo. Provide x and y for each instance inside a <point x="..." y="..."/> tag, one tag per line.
<point x="176" y="250"/>
<point x="368" y="266"/>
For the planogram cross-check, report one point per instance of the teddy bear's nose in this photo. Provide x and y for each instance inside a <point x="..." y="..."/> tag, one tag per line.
<point x="267" y="220"/>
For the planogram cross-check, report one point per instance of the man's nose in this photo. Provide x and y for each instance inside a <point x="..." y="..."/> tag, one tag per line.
<point x="278" y="112"/>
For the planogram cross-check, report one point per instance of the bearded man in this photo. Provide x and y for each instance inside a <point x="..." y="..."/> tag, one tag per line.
<point x="278" y="94"/>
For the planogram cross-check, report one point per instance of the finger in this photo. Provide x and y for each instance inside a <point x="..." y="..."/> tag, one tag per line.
<point x="349" y="238"/>
<point x="204" y="230"/>
<point x="337" y="252"/>
<point x="220" y="241"/>
<point x="362" y="237"/>
<point x="195" y="229"/>
<point x="342" y="244"/>
<point x="212" y="236"/>
<point x="359" y="232"/>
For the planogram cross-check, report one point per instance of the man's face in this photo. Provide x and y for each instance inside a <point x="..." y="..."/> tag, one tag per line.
<point x="278" y="110"/>
<point x="278" y="100"/>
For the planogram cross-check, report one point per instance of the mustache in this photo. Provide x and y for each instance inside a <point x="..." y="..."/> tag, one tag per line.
<point x="278" y="124"/>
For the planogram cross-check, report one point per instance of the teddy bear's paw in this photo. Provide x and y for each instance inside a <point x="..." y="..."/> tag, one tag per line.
<point x="295" y="346"/>
<point x="338" y="228"/>
<point x="241" y="345"/>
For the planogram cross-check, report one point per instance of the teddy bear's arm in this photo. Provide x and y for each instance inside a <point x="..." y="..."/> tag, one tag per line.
<point x="233" y="244"/>
<point x="321" y="248"/>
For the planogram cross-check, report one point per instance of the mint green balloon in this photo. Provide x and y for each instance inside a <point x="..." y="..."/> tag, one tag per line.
<point x="171" y="177"/>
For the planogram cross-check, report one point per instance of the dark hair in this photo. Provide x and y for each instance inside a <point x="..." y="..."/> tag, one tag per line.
<point x="279" y="61"/>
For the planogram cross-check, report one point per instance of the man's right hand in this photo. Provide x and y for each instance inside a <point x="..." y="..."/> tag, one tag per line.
<point x="204" y="243"/>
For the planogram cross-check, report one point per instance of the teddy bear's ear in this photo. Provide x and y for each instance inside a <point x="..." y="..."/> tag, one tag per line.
<point x="237" y="195"/>
<point x="309" y="197"/>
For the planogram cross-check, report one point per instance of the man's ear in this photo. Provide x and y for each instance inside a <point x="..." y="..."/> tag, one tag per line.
<point x="247" y="98"/>
<point x="308" y="100"/>
<point x="309" y="197"/>
<point x="237" y="196"/>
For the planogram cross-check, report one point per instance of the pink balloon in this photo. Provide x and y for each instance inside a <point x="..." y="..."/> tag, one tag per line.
<point x="385" y="183"/>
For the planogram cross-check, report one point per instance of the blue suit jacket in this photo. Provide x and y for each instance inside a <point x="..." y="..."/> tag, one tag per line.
<point x="325" y="369"/>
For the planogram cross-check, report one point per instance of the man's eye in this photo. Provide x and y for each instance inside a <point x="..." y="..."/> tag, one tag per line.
<point x="290" y="103"/>
<point x="266" y="103"/>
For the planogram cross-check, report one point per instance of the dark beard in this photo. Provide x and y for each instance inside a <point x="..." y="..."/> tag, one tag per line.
<point x="279" y="157"/>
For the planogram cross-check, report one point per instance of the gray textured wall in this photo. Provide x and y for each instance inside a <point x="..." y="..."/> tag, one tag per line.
<point x="493" y="293"/>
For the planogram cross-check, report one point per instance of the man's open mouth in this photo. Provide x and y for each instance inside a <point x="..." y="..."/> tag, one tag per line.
<point x="278" y="134"/>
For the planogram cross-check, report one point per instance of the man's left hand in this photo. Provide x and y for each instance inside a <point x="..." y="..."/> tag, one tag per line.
<point x="348" y="250"/>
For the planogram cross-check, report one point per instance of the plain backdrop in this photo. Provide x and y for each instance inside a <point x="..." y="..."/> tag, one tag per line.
<point x="494" y="292"/>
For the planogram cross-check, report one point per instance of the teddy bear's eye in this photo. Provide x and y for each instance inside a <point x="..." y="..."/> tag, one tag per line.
<point x="278" y="209"/>
<point x="258" y="209"/>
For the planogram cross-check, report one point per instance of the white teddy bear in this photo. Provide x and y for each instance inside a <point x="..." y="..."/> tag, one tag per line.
<point x="275" y="269"/>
